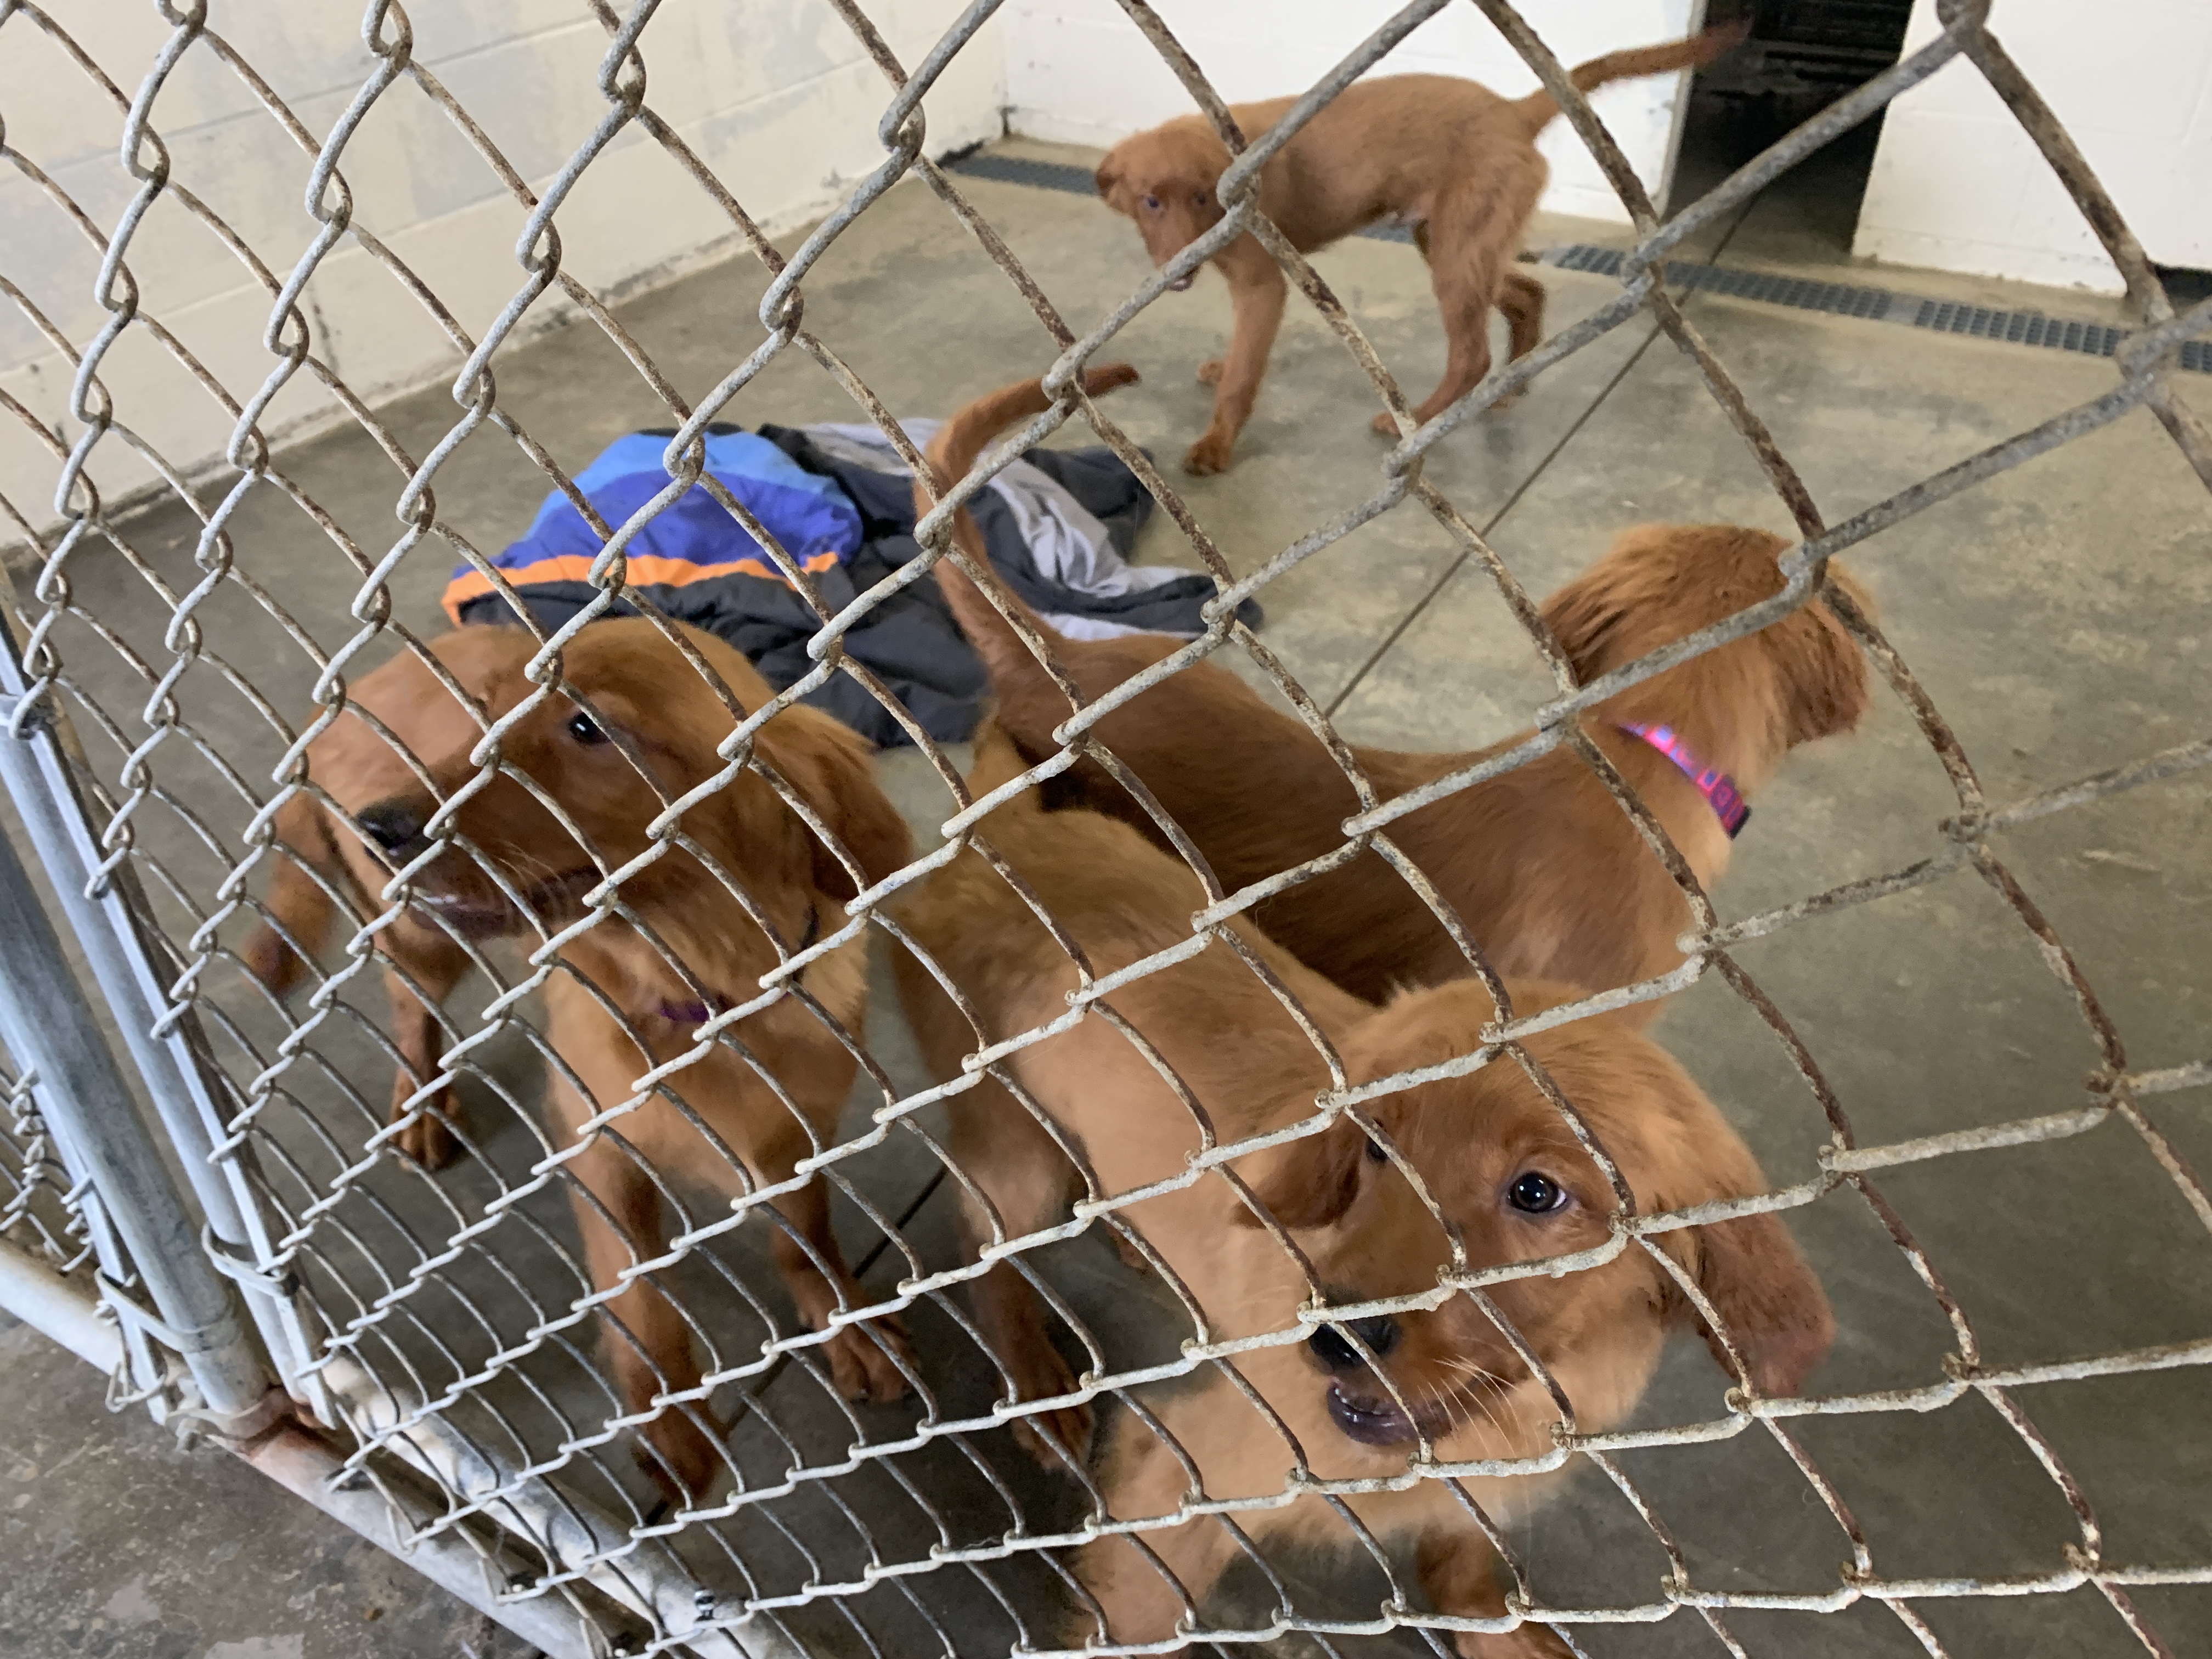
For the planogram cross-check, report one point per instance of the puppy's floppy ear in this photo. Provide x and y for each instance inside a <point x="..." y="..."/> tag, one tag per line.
<point x="1584" y="616"/>
<point x="1827" y="672"/>
<point x="830" y="766"/>
<point x="1108" y="178"/>
<point x="1310" y="1182"/>
<point x="1765" y="1292"/>
<point x="296" y="899"/>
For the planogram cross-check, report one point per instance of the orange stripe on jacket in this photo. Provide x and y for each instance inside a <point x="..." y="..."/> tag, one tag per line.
<point x="643" y="570"/>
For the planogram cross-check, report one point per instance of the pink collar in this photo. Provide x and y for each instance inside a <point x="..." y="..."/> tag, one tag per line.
<point x="1715" y="786"/>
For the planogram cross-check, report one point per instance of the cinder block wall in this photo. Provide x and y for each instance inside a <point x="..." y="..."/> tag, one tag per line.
<point x="1957" y="184"/>
<point x="777" y="97"/>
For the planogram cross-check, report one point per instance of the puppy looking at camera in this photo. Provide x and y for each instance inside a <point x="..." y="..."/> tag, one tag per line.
<point x="761" y="861"/>
<point x="1461" y="1174"/>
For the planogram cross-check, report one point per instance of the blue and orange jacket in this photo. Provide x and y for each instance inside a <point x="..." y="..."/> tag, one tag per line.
<point x="692" y="541"/>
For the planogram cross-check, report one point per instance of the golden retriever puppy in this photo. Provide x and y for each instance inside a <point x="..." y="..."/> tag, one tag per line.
<point x="744" y="884"/>
<point x="1216" y="1058"/>
<point x="1449" y="158"/>
<point x="1550" y="878"/>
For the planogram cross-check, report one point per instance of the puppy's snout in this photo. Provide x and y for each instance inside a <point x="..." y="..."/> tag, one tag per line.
<point x="395" y="826"/>
<point x="1336" y="1354"/>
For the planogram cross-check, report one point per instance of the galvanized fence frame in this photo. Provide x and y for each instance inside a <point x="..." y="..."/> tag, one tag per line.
<point x="593" y="1578"/>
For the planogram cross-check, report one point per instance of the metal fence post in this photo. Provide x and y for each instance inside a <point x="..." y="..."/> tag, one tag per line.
<point x="34" y="768"/>
<point x="47" y="1024"/>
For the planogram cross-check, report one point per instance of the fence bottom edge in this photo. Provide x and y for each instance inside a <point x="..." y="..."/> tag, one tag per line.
<point x="64" y="1313"/>
<point x="304" y="1465"/>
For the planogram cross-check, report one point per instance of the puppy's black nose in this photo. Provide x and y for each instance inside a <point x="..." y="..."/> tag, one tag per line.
<point x="395" y="826"/>
<point x="1329" y="1347"/>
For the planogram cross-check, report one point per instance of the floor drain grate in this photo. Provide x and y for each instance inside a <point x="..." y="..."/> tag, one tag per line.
<point x="1881" y="305"/>
<point x="1017" y="170"/>
<point x="1877" y="305"/>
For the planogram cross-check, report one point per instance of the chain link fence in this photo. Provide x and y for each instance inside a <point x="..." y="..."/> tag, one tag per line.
<point x="43" y="1215"/>
<point x="469" y="1368"/>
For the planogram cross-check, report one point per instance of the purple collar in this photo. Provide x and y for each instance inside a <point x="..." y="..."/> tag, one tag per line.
<point x="698" y="1013"/>
<point x="1715" y="786"/>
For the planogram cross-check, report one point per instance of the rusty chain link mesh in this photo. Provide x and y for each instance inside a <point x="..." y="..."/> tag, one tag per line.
<point x="458" y="1329"/>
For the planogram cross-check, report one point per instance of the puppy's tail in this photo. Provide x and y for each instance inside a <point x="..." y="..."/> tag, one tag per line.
<point x="998" y="761"/>
<point x="950" y="453"/>
<point x="1538" y="108"/>
<point x="296" y="899"/>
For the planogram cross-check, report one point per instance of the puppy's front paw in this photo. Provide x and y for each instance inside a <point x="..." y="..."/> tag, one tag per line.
<point x="682" y="1452"/>
<point x="1041" y="1374"/>
<point x="1045" y="1435"/>
<point x="1385" y="424"/>
<point x="1209" y="455"/>
<point x="861" y="1364"/>
<point x="428" y="1139"/>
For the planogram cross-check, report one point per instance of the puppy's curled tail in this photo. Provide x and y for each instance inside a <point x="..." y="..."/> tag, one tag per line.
<point x="296" y="899"/>
<point x="998" y="761"/>
<point x="1538" y="108"/>
<point x="950" y="453"/>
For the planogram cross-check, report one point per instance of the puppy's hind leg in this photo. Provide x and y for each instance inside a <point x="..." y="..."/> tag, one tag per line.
<point x="1521" y="299"/>
<point x="1470" y="235"/>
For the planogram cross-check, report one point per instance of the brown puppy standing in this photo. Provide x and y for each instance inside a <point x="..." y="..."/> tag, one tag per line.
<point x="770" y="1089"/>
<point x="1546" y="872"/>
<point x="1449" y="157"/>
<point x="1508" y="1178"/>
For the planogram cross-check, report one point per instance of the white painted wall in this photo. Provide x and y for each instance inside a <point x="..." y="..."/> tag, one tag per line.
<point x="776" y="97"/>
<point x="1078" y="71"/>
<point x="1958" y="186"/>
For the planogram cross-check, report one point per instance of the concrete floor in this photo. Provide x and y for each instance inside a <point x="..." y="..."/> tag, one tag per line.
<point x="2056" y="615"/>
<point x="121" y="1546"/>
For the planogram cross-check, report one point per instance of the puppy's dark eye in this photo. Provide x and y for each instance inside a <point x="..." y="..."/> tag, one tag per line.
<point x="585" y="729"/>
<point x="1535" y="1194"/>
<point x="1151" y="204"/>
<point x="1200" y="199"/>
<point x="1375" y="1154"/>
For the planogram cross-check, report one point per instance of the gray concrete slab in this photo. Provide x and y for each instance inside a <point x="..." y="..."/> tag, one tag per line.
<point x="119" y="1546"/>
<point x="2056" y="616"/>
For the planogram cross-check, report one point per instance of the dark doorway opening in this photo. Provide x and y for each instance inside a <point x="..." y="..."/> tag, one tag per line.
<point x="1802" y="56"/>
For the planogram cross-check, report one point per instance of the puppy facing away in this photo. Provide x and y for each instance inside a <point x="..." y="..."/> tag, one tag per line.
<point x="1451" y="158"/>
<point x="744" y="884"/>
<point x="1550" y="878"/>
<point x="1510" y="1180"/>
